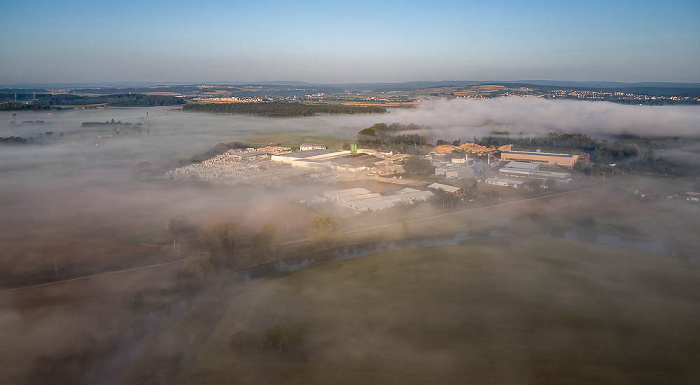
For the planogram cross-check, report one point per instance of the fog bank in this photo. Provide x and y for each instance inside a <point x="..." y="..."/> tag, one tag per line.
<point x="465" y="118"/>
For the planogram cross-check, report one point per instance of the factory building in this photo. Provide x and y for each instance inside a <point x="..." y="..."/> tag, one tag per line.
<point x="505" y="182"/>
<point x="310" y="146"/>
<point x="480" y="167"/>
<point x="523" y="166"/>
<point x="333" y="159"/>
<point x="274" y="149"/>
<point x="250" y="155"/>
<point x="357" y="162"/>
<point x="458" y="173"/>
<point x="309" y="158"/>
<point x="446" y="188"/>
<point x="362" y="200"/>
<point x="566" y="160"/>
<point x="461" y="170"/>
<point x="454" y="170"/>
<point x="541" y="175"/>
<point x="334" y="195"/>
<point x="689" y="196"/>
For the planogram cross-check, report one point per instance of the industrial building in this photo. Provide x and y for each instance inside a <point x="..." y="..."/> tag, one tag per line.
<point x="250" y="155"/>
<point x="357" y="162"/>
<point x="274" y="149"/>
<point x="443" y="168"/>
<point x="479" y="167"/>
<point x="690" y="196"/>
<point x="308" y="158"/>
<point x="460" y="168"/>
<point x="523" y="166"/>
<point x="505" y="182"/>
<point x="310" y="146"/>
<point x="565" y="160"/>
<point x="334" y="195"/>
<point x="541" y="175"/>
<point x="458" y="173"/>
<point x="333" y="159"/>
<point x="362" y="200"/>
<point x="446" y="188"/>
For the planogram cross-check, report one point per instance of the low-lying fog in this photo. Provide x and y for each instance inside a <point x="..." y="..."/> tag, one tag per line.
<point x="88" y="194"/>
<point x="80" y="174"/>
<point x="176" y="135"/>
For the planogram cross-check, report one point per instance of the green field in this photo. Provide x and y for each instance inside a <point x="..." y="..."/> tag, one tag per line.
<point x="509" y="311"/>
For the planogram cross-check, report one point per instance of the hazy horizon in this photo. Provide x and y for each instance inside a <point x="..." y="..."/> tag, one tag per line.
<point x="358" y="42"/>
<point x="547" y="82"/>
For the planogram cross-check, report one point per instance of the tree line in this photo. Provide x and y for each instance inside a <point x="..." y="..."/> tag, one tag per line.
<point x="18" y="106"/>
<point x="280" y="109"/>
<point x="42" y="138"/>
<point x="226" y="246"/>
<point x="382" y="135"/>
<point x="12" y="140"/>
<point x="49" y="101"/>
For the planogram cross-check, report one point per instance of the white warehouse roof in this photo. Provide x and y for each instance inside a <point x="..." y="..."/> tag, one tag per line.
<point x="335" y="194"/>
<point x="523" y="166"/>
<point x="445" y="187"/>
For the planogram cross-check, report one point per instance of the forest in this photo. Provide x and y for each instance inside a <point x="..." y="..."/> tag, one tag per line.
<point x="12" y="140"/>
<point x="390" y="137"/>
<point x="280" y="109"/>
<point x="49" y="101"/>
<point x="17" y="106"/>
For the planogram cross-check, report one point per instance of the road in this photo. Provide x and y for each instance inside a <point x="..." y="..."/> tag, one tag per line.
<point x="451" y="213"/>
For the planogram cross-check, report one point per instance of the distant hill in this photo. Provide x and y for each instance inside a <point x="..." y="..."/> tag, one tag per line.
<point x="593" y="84"/>
<point x="41" y="101"/>
<point x="282" y="89"/>
<point x="280" y="109"/>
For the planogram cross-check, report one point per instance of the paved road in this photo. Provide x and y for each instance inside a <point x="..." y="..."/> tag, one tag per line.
<point x="458" y="212"/>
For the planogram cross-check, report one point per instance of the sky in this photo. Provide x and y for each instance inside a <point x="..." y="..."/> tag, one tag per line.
<point x="347" y="41"/>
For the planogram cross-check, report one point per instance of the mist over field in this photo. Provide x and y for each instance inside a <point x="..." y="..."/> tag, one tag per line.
<point x="97" y="200"/>
<point x="464" y="118"/>
<point x="81" y="180"/>
<point x="175" y="135"/>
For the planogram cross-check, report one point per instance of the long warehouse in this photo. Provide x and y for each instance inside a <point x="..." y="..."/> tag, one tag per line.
<point x="566" y="160"/>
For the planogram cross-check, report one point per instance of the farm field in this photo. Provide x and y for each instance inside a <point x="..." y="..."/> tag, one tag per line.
<point x="499" y="311"/>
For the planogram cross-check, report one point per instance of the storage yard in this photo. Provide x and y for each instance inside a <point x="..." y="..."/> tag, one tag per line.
<point x="361" y="200"/>
<point x="236" y="166"/>
<point x="273" y="164"/>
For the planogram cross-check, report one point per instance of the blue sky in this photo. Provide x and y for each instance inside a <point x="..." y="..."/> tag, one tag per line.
<point x="348" y="41"/>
